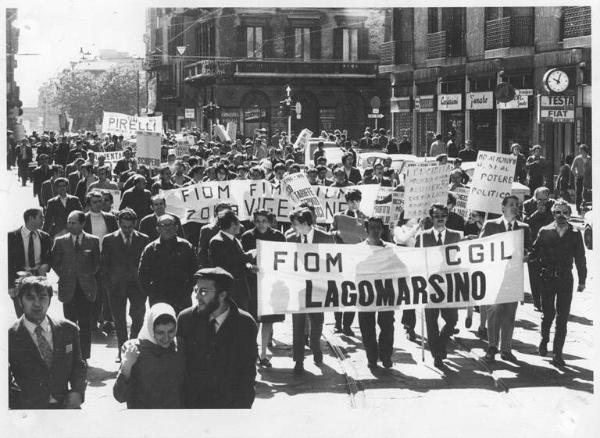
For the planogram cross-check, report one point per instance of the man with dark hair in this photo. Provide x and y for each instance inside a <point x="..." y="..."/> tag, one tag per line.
<point x="468" y="154"/>
<point x="225" y="251"/>
<point x="501" y="317"/>
<point x="28" y="251"/>
<point x="123" y="164"/>
<point x="59" y="208"/>
<point x="352" y="173"/>
<point x="87" y="178"/>
<point x="536" y="166"/>
<point x="76" y="261"/>
<point x="24" y="155"/>
<point x="164" y="181"/>
<point x="439" y="235"/>
<point x="137" y="198"/>
<point x="319" y="152"/>
<point x="47" y="189"/>
<point x="405" y="146"/>
<point x="437" y="147"/>
<point x="378" y="177"/>
<point x="74" y="176"/>
<point x="305" y="232"/>
<point x="322" y="179"/>
<point x="148" y="224"/>
<point x="39" y="175"/>
<point x="556" y="247"/>
<point x="167" y="266"/>
<point x="218" y="341"/>
<point x="121" y="253"/>
<point x="383" y="349"/>
<point x="104" y="180"/>
<point x="582" y="174"/>
<point x="46" y="370"/>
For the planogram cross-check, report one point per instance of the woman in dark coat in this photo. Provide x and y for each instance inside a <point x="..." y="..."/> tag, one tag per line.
<point x="261" y="231"/>
<point x="152" y="372"/>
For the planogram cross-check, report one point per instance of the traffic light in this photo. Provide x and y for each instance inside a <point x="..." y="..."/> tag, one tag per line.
<point x="211" y="111"/>
<point x="286" y="107"/>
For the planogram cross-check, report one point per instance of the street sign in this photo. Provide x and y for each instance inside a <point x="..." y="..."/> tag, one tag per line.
<point x="504" y="92"/>
<point x="375" y="116"/>
<point x="298" y="108"/>
<point x="375" y="110"/>
<point x="375" y="102"/>
<point x="189" y="113"/>
<point x="181" y="50"/>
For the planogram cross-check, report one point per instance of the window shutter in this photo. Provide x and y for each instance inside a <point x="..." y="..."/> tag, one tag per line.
<point x="315" y="42"/>
<point x="267" y="42"/>
<point x="241" y="42"/>
<point x="338" y="43"/>
<point x="289" y="42"/>
<point x="363" y="43"/>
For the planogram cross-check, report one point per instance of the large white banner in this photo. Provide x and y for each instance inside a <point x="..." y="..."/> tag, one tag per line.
<point x="148" y="148"/>
<point x="491" y="182"/>
<point x="425" y="185"/>
<point x="111" y="156"/>
<point x="117" y="123"/>
<point x="305" y="278"/>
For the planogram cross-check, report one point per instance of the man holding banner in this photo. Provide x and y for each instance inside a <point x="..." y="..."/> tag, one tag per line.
<point x="501" y="317"/>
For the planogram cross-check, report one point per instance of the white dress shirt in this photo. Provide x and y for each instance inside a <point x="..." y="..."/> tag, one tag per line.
<point x="309" y="237"/>
<point x="436" y="234"/>
<point x="505" y="222"/>
<point x="37" y="246"/>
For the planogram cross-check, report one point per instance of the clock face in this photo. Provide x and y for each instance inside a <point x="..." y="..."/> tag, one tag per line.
<point x="557" y="81"/>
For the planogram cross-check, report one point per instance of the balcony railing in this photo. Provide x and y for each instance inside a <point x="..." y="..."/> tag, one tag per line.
<point x="228" y="67"/>
<point x="445" y="44"/>
<point x="576" y="21"/>
<point x="509" y="32"/>
<point x="396" y="52"/>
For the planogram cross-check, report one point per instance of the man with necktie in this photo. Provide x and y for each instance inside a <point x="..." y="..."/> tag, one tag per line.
<point x="501" y="317"/>
<point x="28" y="251"/>
<point x="436" y="236"/>
<point x="46" y="370"/>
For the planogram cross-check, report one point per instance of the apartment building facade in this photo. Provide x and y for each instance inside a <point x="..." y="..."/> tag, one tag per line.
<point x="243" y="59"/>
<point x="444" y="66"/>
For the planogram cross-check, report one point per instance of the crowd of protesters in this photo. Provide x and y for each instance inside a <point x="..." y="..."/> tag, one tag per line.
<point x="195" y="346"/>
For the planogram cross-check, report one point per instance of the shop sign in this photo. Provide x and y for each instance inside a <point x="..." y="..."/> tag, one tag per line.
<point x="450" y="102"/>
<point x="400" y="105"/>
<point x="482" y="100"/>
<point x="520" y="101"/>
<point x="424" y="104"/>
<point x="556" y="108"/>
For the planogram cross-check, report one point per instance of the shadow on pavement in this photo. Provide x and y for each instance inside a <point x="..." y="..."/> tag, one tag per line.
<point x="580" y="320"/>
<point x="97" y="376"/>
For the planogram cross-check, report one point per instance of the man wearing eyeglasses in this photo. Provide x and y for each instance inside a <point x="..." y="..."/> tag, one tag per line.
<point x="501" y="317"/>
<point x="556" y="247"/>
<point x="218" y="341"/>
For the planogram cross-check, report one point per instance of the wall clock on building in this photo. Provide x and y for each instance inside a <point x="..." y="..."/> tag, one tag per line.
<point x="555" y="80"/>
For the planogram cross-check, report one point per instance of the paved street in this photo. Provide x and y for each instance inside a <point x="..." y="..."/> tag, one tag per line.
<point x="532" y="389"/>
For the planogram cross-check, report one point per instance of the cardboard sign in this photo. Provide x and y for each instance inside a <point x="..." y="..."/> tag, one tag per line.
<point x="148" y="148"/>
<point x="424" y="185"/>
<point x="302" y="140"/>
<point x="299" y="190"/>
<point x="492" y="181"/>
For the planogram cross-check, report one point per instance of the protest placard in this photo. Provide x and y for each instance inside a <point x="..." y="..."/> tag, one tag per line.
<point x="117" y="123"/>
<point x="492" y="181"/>
<point x="302" y="140"/>
<point x="424" y="185"/>
<point x="182" y="147"/>
<point x="383" y="204"/>
<point x="305" y="278"/>
<point x="222" y="133"/>
<point x="462" y="196"/>
<point x="148" y="148"/>
<point x="299" y="190"/>
<point x="112" y="156"/>
<point x="397" y="207"/>
<point x="232" y="130"/>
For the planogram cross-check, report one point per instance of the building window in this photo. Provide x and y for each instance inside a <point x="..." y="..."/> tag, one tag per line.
<point x="350" y="45"/>
<point x="432" y="20"/>
<point x="302" y="43"/>
<point x="254" y="42"/>
<point x="205" y="40"/>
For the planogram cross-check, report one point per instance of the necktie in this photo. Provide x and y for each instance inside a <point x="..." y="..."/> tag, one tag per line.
<point x="77" y="245"/>
<point x="43" y="346"/>
<point x="509" y="227"/>
<point x="212" y="327"/>
<point x="31" y="251"/>
<point x="128" y="242"/>
<point x="439" y="239"/>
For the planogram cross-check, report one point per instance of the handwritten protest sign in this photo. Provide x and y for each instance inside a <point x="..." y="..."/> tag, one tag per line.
<point x="232" y="130"/>
<point x="305" y="278"/>
<point x="462" y="196"/>
<point x="492" y="181"/>
<point x="302" y="140"/>
<point x="148" y="148"/>
<point x="397" y="207"/>
<point x="183" y="146"/>
<point x="299" y="190"/>
<point x="424" y="185"/>
<point x="117" y="123"/>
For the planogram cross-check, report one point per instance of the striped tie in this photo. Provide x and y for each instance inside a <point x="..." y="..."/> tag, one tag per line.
<point x="43" y="346"/>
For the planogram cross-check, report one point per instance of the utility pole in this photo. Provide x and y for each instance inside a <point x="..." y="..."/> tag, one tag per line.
<point x="289" y="103"/>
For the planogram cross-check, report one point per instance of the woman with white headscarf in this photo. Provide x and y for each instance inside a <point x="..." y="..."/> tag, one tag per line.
<point x="152" y="372"/>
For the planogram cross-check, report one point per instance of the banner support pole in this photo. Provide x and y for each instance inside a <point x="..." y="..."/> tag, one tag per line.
<point x="422" y="335"/>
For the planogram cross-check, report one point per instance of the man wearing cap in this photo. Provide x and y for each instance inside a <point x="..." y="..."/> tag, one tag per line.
<point x="218" y="341"/>
<point x="46" y="369"/>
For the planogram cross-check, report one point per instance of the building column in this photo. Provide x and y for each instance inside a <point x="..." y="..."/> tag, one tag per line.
<point x="499" y="139"/>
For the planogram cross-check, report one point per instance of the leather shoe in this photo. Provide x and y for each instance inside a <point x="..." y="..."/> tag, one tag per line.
<point x="490" y="355"/>
<point x="387" y="363"/>
<point x="373" y="366"/>
<point x="437" y="362"/>
<point x="337" y="329"/>
<point x="543" y="348"/>
<point x="411" y="335"/>
<point x="508" y="356"/>
<point x="299" y="367"/>
<point x="265" y="363"/>
<point x="444" y="354"/>
<point x="348" y="331"/>
<point x="558" y="360"/>
<point x="318" y="358"/>
<point x="468" y="322"/>
<point x="482" y="332"/>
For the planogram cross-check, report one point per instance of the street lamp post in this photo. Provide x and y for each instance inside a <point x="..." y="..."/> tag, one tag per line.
<point x="289" y="103"/>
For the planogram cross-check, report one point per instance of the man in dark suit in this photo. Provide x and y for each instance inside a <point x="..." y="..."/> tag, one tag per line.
<point x="76" y="260"/>
<point x="137" y="198"/>
<point x="207" y="232"/>
<point x="74" y="176"/>
<point x="123" y="164"/>
<point x="439" y="235"/>
<point x="531" y="205"/>
<point x="28" y="251"/>
<point x="47" y="191"/>
<point x="87" y="178"/>
<point x="24" y="157"/>
<point x="352" y="173"/>
<point x="378" y="177"/>
<point x="59" y="208"/>
<point x="167" y="266"/>
<point x="305" y="232"/>
<point x="39" y="175"/>
<point x="556" y="247"/>
<point x="225" y="251"/>
<point x="121" y="253"/>
<point x="218" y="341"/>
<point x="78" y="150"/>
<point x="46" y="370"/>
<point x="501" y="317"/>
<point x="149" y="222"/>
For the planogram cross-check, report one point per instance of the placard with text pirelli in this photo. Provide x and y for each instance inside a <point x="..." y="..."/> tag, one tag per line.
<point x="556" y="108"/>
